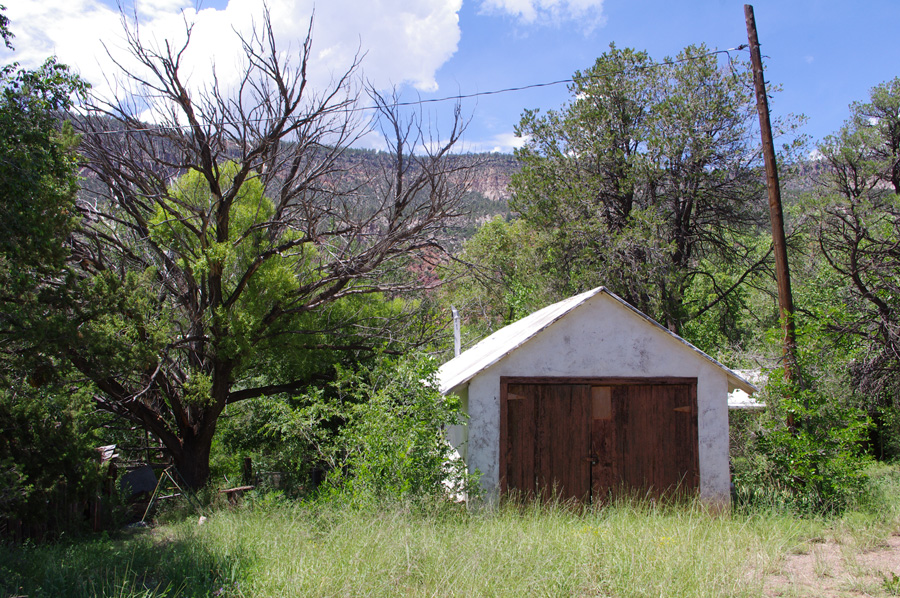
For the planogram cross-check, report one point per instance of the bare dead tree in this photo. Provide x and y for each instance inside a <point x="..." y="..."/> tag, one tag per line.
<point x="230" y="244"/>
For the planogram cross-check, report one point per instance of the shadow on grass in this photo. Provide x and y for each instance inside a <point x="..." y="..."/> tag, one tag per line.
<point x="137" y="563"/>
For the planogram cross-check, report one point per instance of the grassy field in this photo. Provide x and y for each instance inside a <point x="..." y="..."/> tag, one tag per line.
<point x="274" y="548"/>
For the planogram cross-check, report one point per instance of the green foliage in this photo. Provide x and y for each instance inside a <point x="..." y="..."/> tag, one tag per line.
<point x="129" y="329"/>
<point x="856" y="215"/>
<point x="290" y="436"/>
<point x="38" y="173"/>
<point x="646" y="182"/>
<point x="376" y="428"/>
<point x="500" y="276"/>
<point x="723" y="319"/>
<point x="810" y="445"/>
<point x="182" y="225"/>
<point x="891" y="584"/>
<point x="393" y="445"/>
<point x="49" y="469"/>
<point x="819" y="465"/>
<point x="38" y="165"/>
<point x="5" y="33"/>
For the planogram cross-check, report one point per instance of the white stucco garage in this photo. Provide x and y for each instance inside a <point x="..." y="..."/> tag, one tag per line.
<point x="590" y="393"/>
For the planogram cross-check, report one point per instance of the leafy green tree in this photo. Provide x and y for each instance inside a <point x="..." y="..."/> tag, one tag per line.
<point x="47" y="463"/>
<point x="38" y="164"/>
<point x="498" y="277"/>
<point x="857" y="216"/>
<point x="38" y="185"/>
<point x="647" y="181"/>
<point x="226" y="253"/>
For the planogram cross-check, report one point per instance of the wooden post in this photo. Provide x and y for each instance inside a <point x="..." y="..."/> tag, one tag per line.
<point x="782" y="274"/>
<point x="247" y="472"/>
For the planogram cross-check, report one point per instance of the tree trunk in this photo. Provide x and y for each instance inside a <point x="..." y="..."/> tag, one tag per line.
<point x="192" y="462"/>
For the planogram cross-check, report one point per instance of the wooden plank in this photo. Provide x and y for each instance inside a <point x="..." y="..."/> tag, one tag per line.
<point x="579" y="439"/>
<point x="676" y="449"/>
<point x="644" y="436"/>
<point x="622" y="407"/>
<point x="685" y="465"/>
<point x="647" y="439"/>
<point x="690" y="467"/>
<point x="543" y="458"/>
<point x="520" y="441"/>
<point x="638" y="446"/>
<point x="605" y="470"/>
<point x="671" y="438"/>
<point x="564" y="441"/>
<point x="597" y="381"/>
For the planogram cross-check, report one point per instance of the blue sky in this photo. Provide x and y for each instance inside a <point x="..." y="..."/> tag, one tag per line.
<point x="824" y="53"/>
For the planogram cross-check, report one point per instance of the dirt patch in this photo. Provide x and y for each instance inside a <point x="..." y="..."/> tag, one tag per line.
<point x="832" y="569"/>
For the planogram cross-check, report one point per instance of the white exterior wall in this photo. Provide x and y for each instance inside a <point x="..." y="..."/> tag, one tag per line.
<point x="603" y="338"/>
<point x="458" y="435"/>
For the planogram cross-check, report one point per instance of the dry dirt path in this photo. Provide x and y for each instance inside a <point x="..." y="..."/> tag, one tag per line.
<point x="831" y="569"/>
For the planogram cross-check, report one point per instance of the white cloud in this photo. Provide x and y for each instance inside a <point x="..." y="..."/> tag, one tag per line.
<point x="504" y="143"/>
<point x="404" y="42"/>
<point x="157" y="8"/>
<point x="588" y="13"/>
<point x="71" y="29"/>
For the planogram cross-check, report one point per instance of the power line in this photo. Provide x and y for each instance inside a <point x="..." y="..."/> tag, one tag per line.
<point x="458" y="97"/>
<point x="560" y="82"/>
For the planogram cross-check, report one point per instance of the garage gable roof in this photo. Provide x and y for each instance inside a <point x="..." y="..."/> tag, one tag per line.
<point x="501" y="343"/>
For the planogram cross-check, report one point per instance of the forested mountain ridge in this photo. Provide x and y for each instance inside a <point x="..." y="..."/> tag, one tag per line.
<point x="487" y="186"/>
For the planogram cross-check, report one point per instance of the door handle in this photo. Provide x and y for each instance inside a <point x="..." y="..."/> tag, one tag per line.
<point x="593" y="459"/>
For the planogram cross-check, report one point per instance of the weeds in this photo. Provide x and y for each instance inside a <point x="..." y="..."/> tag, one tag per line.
<point x="415" y="550"/>
<point x="891" y="584"/>
<point x="272" y="546"/>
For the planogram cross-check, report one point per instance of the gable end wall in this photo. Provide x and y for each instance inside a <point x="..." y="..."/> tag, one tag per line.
<point x="603" y="338"/>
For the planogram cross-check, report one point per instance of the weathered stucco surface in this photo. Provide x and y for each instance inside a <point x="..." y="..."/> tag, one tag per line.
<point x="603" y="338"/>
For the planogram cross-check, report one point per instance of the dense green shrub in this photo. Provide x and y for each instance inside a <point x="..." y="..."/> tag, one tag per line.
<point x="287" y="439"/>
<point x="376" y="431"/>
<point x="817" y="465"/>
<point x="393" y="444"/>
<point x="49" y="470"/>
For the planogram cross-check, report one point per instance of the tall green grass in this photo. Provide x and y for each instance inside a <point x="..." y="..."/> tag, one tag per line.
<point x="274" y="548"/>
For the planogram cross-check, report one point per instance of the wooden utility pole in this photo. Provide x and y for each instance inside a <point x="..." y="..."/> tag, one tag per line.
<point x="782" y="274"/>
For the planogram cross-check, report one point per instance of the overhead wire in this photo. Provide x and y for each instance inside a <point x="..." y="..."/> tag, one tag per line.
<point x="455" y="98"/>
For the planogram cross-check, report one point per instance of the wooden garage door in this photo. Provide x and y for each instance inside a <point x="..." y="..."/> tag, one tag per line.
<point x="549" y="439"/>
<point x="590" y="437"/>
